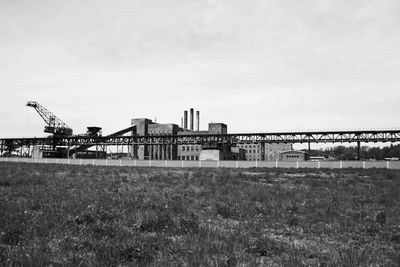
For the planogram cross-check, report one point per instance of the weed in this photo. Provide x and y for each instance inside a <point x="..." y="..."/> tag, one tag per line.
<point x="119" y="216"/>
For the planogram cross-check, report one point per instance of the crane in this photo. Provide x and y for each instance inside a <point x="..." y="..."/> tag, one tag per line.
<point x="54" y="124"/>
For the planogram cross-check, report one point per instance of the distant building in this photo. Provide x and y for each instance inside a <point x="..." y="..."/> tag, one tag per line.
<point x="292" y="155"/>
<point x="250" y="152"/>
<point x="182" y="152"/>
<point x="266" y="152"/>
<point x="158" y="152"/>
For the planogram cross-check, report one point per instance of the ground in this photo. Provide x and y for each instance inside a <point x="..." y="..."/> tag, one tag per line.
<point x="63" y="215"/>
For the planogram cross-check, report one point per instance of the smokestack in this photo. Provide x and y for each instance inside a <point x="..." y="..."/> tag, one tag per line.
<point x="191" y="119"/>
<point x="185" y="120"/>
<point x="197" y="120"/>
<point x="182" y="122"/>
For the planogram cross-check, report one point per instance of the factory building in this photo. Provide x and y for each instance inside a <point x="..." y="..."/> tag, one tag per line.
<point x="157" y="152"/>
<point x="293" y="155"/>
<point x="250" y="152"/>
<point x="264" y="152"/>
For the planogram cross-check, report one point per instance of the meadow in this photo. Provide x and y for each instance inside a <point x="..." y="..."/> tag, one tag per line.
<point x="60" y="215"/>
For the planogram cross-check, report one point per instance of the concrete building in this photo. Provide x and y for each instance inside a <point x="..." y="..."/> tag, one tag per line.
<point x="226" y="153"/>
<point x="182" y="152"/>
<point x="293" y="155"/>
<point x="250" y="152"/>
<point x="208" y="151"/>
<point x="264" y="152"/>
<point x="272" y="151"/>
<point x="189" y="152"/>
<point x="157" y="152"/>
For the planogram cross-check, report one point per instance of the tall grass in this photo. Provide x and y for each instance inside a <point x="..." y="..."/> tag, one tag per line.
<point x="83" y="216"/>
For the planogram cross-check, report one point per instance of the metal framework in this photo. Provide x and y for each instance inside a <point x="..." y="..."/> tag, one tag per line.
<point x="8" y="144"/>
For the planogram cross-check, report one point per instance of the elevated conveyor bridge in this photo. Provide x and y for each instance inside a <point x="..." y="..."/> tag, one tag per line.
<point x="84" y="142"/>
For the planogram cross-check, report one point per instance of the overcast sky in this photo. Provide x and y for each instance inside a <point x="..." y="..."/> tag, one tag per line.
<point x="256" y="65"/>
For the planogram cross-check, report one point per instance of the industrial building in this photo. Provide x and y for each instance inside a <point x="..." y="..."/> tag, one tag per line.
<point x="264" y="152"/>
<point x="212" y="144"/>
<point x="146" y="126"/>
<point x="250" y="152"/>
<point x="293" y="155"/>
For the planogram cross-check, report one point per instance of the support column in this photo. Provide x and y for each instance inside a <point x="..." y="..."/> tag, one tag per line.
<point x="68" y="146"/>
<point x="358" y="150"/>
<point x="309" y="149"/>
<point x="151" y="152"/>
<point x="262" y="151"/>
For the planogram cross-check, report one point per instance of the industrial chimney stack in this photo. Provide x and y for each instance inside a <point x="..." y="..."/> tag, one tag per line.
<point x="191" y="119"/>
<point x="197" y="120"/>
<point x="185" y="119"/>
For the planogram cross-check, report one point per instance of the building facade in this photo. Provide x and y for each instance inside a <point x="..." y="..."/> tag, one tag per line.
<point x="250" y="152"/>
<point x="156" y="152"/>
<point x="293" y="155"/>
<point x="264" y="152"/>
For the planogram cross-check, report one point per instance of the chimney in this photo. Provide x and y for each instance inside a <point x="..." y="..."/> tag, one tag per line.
<point x="191" y="119"/>
<point x="182" y="122"/>
<point x="185" y="120"/>
<point x="197" y="120"/>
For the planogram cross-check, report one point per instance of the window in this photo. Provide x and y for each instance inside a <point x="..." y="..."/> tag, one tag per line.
<point x="183" y="148"/>
<point x="192" y="157"/>
<point x="179" y="157"/>
<point x="197" y="157"/>
<point x="197" y="148"/>
<point x="192" y="148"/>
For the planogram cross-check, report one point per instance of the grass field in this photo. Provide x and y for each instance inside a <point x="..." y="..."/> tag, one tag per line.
<point x="106" y="216"/>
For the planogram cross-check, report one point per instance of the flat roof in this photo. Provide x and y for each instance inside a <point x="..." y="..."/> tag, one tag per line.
<point x="292" y="151"/>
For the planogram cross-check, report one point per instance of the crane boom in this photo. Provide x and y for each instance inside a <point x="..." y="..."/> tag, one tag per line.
<point x="54" y="124"/>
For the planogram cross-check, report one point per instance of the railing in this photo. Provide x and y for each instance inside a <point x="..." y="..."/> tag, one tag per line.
<point x="213" y="164"/>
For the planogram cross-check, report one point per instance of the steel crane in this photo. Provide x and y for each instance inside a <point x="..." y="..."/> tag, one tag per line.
<point x="54" y="124"/>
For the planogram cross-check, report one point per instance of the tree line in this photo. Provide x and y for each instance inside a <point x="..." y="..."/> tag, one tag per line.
<point x="351" y="153"/>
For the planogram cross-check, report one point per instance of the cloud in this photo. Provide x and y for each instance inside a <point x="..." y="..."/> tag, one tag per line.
<point x="298" y="60"/>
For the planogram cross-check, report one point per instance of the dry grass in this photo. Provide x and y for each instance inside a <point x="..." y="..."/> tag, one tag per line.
<point x="82" y="215"/>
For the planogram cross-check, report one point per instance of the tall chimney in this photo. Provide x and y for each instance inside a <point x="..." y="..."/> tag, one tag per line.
<point x="197" y="120"/>
<point x="185" y="120"/>
<point x="191" y="119"/>
<point x="182" y="122"/>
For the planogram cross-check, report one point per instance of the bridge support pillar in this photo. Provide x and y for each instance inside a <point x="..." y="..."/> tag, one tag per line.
<point x="358" y="150"/>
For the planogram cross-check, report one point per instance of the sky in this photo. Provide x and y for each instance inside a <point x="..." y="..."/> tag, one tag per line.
<point x="258" y="66"/>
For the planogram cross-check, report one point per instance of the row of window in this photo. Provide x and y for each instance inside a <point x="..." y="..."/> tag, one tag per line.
<point x="188" y="158"/>
<point x="190" y="148"/>
<point x="249" y="146"/>
<point x="292" y="156"/>
<point x="159" y="133"/>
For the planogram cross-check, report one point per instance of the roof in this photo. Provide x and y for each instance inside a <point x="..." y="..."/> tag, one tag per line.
<point x="293" y="152"/>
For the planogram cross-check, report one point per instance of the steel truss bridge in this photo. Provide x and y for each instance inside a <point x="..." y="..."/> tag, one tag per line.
<point x="359" y="136"/>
